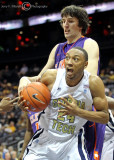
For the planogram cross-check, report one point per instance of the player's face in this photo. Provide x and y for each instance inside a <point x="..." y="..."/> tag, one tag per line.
<point x="74" y="63"/>
<point x="70" y="27"/>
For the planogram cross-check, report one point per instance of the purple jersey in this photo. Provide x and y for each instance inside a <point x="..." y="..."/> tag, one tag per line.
<point x="91" y="136"/>
<point x="33" y="116"/>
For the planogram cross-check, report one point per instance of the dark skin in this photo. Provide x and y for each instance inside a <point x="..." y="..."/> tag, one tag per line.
<point x="7" y="104"/>
<point x="75" y="65"/>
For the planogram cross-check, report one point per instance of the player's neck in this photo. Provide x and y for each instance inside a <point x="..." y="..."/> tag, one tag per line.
<point x="72" y="40"/>
<point x="74" y="82"/>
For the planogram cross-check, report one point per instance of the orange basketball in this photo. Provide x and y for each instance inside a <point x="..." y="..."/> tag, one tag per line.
<point x="37" y="96"/>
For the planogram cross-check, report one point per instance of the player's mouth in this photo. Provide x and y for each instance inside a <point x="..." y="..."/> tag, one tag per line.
<point x="67" y="31"/>
<point x="69" y="71"/>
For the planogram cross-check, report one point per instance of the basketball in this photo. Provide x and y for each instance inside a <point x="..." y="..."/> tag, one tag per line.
<point x="37" y="96"/>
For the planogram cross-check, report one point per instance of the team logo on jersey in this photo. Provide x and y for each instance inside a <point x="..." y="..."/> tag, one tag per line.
<point x="34" y="96"/>
<point x="58" y="88"/>
<point x="85" y="91"/>
<point x="85" y="88"/>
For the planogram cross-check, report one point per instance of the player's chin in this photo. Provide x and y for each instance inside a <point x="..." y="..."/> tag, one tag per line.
<point x="69" y="75"/>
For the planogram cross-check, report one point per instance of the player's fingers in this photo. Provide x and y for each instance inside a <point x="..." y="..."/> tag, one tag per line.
<point x="66" y="105"/>
<point x="63" y="113"/>
<point x="62" y="110"/>
<point x="20" y="100"/>
<point x="22" y="107"/>
<point x="15" y="100"/>
<point x="7" y="98"/>
<point x="71" y="98"/>
<point x="65" y="100"/>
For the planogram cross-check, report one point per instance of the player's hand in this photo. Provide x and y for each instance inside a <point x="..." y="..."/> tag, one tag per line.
<point x="21" y="105"/>
<point x="22" y="84"/>
<point x="38" y="78"/>
<point x="70" y="108"/>
<point x="7" y="104"/>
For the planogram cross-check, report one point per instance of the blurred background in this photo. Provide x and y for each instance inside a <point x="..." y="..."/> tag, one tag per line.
<point x="28" y="32"/>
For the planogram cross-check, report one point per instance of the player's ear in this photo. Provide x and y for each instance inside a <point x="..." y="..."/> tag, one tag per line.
<point x="86" y="63"/>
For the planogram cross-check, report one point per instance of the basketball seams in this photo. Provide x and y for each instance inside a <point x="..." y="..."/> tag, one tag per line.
<point x="38" y="96"/>
<point x="31" y="98"/>
<point x="40" y="93"/>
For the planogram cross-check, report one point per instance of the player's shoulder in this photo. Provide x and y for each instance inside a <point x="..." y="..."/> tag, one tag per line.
<point x="94" y="79"/>
<point x="95" y="82"/>
<point x="90" y="42"/>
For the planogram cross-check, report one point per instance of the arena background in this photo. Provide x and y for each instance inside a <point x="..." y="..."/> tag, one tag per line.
<point x="28" y="32"/>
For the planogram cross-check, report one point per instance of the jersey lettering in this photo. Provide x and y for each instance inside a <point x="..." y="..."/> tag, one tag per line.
<point x="61" y="127"/>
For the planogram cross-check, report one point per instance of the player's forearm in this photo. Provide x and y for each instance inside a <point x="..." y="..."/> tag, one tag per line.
<point x="110" y="102"/>
<point x="28" y="136"/>
<point x="26" y="80"/>
<point x="94" y="116"/>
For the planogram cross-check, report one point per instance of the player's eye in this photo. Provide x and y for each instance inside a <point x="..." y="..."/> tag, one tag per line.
<point x="62" y="21"/>
<point x="70" y="21"/>
<point x="67" y="58"/>
<point x="76" y="59"/>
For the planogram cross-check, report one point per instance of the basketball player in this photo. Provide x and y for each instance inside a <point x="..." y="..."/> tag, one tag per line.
<point x="108" y="145"/>
<point x="6" y="104"/>
<point x="73" y="91"/>
<point x="75" y="23"/>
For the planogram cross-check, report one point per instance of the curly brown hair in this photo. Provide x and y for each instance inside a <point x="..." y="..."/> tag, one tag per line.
<point x="78" y="12"/>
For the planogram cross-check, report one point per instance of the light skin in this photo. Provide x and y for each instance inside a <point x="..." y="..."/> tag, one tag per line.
<point x="74" y="67"/>
<point x="72" y="32"/>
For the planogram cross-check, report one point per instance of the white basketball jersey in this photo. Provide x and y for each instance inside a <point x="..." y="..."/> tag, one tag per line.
<point x="67" y="126"/>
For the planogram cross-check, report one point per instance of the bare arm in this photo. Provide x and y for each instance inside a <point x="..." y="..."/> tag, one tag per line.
<point x="110" y="102"/>
<point x="49" y="65"/>
<point x="99" y="101"/>
<point x="92" y="49"/>
<point x="7" y="104"/>
<point x="50" y="62"/>
<point x="28" y="136"/>
<point x="48" y="78"/>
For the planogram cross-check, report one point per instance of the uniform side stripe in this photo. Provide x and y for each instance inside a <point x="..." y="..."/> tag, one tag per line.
<point x="81" y="146"/>
<point x="36" y="135"/>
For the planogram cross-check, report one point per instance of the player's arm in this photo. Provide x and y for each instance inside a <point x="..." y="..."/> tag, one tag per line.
<point x="24" y="81"/>
<point x="7" y="104"/>
<point x="49" y="77"/>
<point x="101" y="114"/>
<point x="28" y="136"/>
<point x="99" y="102"/>
<point x="50" y="62"/>
<point x="92" y="49"/>
<point x="110" y="102"/>
<point x="99" y="99"/>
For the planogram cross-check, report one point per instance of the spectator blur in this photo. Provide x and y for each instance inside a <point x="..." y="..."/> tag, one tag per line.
<point x="23" y="70"/>
<point x="12" y="124"/>
<point x="14" y="155"/>
<point x="7" y="156"/>
<point x="10" y="128"/>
